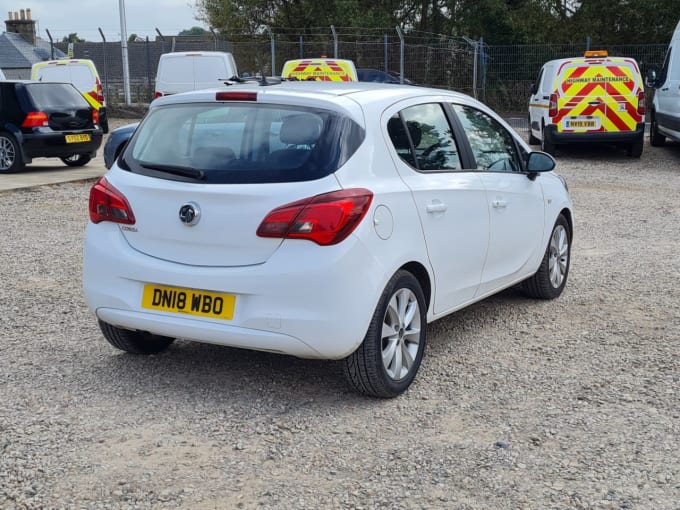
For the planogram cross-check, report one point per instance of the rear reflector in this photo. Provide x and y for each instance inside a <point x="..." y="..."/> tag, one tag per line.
<point x="325" y="219"/>
<point x="109" y="204"/>
<point x="35" y="119"/>
<point x="236" y="96"/>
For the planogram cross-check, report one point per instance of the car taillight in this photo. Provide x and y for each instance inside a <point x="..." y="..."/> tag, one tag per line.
<point x="99" y="92"/>
<point x="157" y="94"/>
<point x="95" y="116"/>
<point x="35" y="119"/>
<point x="552" y="107"/>
<point x="325" y="219"/>
<point x="109" y="204"/>
<point x="642" y="107"/>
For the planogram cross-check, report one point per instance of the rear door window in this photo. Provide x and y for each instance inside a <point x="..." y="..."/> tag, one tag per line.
<point x="55" y="96"/>
<point x="242" y="143"/>
<point x="177" y="70"/>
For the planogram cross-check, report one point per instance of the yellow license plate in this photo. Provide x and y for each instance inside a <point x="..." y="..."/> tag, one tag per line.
<point x="203" y="303"/>
<point x="78" y="138"/>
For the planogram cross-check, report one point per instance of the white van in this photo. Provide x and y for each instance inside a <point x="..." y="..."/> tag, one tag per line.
<point x="193" y="70"/>
<point x="80" y="72"/>
<point x="665" y="114"/>
<point x="593" y="98"/>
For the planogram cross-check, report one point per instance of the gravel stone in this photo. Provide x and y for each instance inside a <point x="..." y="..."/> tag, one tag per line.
<point x="519" y="403"/>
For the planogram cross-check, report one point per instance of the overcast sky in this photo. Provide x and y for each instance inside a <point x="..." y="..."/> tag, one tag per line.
<point x="62" y="17"/>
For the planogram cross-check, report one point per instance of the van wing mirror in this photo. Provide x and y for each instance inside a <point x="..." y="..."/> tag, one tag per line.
<point x="651" y="78"/>
<point x="533" y="89"/>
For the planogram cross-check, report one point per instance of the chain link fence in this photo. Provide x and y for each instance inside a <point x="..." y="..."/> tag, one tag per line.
<point x="498" y="75"/>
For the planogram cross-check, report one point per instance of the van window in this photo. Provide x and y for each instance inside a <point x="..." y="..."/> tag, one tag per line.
<point x="177" y="70"/>
<point x="209" y="69"/>
<point x="78" y="74"/>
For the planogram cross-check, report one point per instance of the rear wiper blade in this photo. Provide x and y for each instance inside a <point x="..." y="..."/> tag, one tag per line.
<point x="184" y="171"/>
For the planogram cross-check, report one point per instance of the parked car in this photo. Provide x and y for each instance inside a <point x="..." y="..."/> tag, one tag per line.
<point x="80" y="72"/>
<point x="115" y="142"/>
<point x="665" y="114"/>
<point x="44" y="119"/>
<point x="319" y="221"/>
<point x="193" y="70"/>
<point x="591" y="99"/>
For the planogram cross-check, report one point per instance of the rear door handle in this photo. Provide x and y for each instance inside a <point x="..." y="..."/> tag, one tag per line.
<point x="436" y="207"/>
<point x="499" y="204"/>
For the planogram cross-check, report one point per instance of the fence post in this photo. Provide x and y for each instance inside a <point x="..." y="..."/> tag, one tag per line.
<point x="386" y="53"/>
<point x="150" y="93"/>
<point x="272" y="49"/>
<point x="124" y="51"/>
<point x="51" y="44"/>
<point x="106" y="65"/>
<point x="302" y="53"/>
<point x="401" y="55"/>
<point x="162" y="38"/>
<point x="335" y="42"/>
<point x="214" y="38"/>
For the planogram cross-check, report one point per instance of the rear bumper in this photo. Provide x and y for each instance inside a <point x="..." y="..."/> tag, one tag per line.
<point x="53" y="144"/>
<point x="595" y="137"/>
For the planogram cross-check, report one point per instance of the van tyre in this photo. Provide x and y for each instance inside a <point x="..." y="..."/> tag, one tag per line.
<point x="656" y="139"/>
<point x="551" y="277"/>
<point x="10" y="154"/>
<point x="635" y="148"/>
<point x="546" y="143"/>
<point x="135" y="342"/>
<point x="388" y="359"/>
<point x="77" y="160"/>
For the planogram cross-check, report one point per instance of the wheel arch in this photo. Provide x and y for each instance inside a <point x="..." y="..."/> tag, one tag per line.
<point x="423" y="277"/>
<point x="570" y="220"/>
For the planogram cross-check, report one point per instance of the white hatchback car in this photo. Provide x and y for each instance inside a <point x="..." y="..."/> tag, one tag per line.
<point x="319" y="220"/>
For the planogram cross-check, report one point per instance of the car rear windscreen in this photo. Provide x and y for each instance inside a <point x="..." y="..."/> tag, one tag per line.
<point x="55" y="96"/>
<point x="241" y="143"/>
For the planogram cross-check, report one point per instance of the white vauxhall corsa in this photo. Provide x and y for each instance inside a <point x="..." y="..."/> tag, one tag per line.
<point x="319" y="220"/>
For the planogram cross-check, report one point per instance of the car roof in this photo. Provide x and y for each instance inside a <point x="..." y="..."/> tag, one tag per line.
<point x="350" y="97"/>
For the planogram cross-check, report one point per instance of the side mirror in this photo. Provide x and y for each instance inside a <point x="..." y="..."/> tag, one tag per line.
<point x="540" y="162"/>
<point x="651" y="78"/>
<point x="533" y="89"/>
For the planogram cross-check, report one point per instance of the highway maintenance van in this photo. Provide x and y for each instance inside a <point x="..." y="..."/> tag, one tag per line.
<point x="320" y="69"/>
<point x="82" y="74"/>
<point x="665" y="109"/>
<point x="594" y="98"/>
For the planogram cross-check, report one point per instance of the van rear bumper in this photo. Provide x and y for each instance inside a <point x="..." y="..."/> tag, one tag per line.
<point x="595" y="137"/>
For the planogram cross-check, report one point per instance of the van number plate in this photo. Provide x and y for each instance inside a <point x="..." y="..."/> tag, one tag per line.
<point x="581" y="123"/>
<point x="85" y="137"/>
<point x="202" y="303"/>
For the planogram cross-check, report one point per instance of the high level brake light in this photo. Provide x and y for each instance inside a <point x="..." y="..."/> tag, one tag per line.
<point x="325" y="219"/>
<point x="236" y="96"/>
<point x="109" y="204"/>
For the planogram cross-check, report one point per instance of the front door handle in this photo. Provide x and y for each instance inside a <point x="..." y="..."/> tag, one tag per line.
<point x="436" y="207"/>
<point x="499" y="204"/>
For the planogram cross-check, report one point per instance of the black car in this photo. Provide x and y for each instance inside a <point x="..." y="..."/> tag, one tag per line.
<point x="45" y="119"/>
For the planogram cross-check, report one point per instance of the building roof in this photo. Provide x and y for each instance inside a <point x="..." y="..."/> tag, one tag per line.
<point x="17" y="53"/>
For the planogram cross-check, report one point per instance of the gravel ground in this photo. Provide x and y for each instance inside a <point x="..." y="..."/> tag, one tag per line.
<point x="519" y="404"/>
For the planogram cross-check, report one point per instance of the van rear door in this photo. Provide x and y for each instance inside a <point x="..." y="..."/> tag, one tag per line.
<point x="598" y="95"/>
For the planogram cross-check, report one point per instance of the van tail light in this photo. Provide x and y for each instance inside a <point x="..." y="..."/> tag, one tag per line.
<point x="99" y="92"/>
<point x="109" y="204"/>
<point x="552" y="107"/>
<point x="325" y="219"/>
<point x="95" y="116"/>
<point x="35" y="119"/>
<point x="642" y="107"/>
<point x="157" y="94"/>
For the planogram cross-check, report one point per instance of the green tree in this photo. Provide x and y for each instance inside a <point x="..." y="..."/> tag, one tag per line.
<point x="194" y="31"/>
<point x="72" y="38"/>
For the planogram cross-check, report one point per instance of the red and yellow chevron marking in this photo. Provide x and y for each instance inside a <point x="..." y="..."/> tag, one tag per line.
<point x="318" y="69"/>
<point x="606" y="92"/>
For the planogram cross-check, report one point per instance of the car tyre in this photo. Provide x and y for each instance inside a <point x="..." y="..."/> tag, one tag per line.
<point x="135" y="342"/>
<point x="546" y="144"/>
<point x="656" y="139"/>
<point x="388" y="359"/>
<point x="634" y="148"/>
<point x="551" y="277"/>
<point x="77" y="160"/>
<point x="10" y="154"/>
